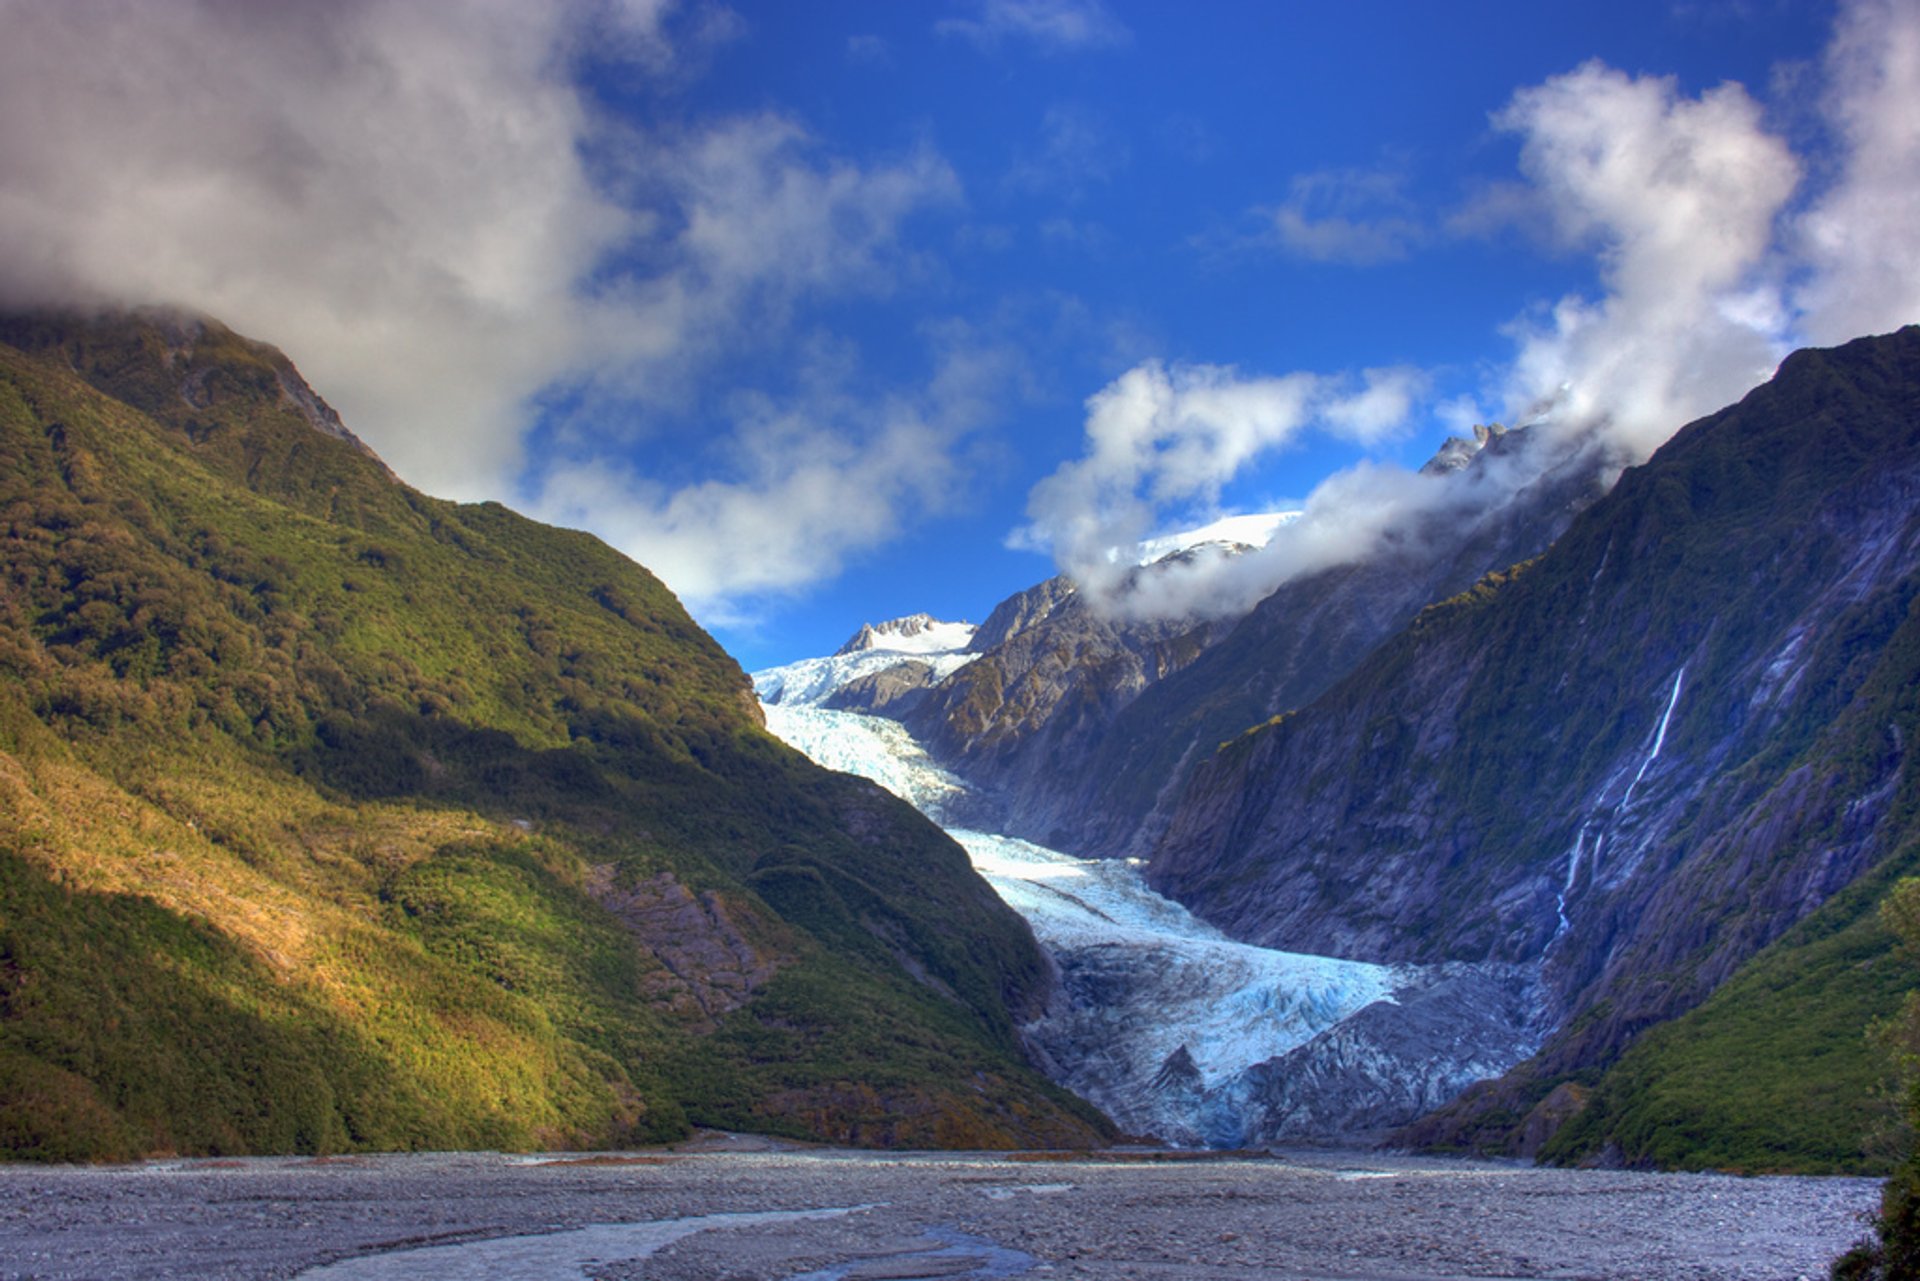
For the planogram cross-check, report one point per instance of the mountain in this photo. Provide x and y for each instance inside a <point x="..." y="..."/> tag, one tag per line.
<point x="1666" y="763"/>
<point x="339" y="817"/>
<point x="1079" y="725"/>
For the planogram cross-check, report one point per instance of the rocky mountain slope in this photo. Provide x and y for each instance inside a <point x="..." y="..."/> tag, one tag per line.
<point x="1670" y="744"/>
<point x="1079" y="724"/>
<point x="338" y="817"/>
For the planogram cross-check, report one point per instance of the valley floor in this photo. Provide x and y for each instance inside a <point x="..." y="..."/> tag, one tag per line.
<point x="781" y="1215"/>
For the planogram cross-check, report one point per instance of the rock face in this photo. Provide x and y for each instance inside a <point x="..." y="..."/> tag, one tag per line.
<point x="1082" y="726"/>
<point x="1634" y="762"/>
<point x="1052" y="675"/>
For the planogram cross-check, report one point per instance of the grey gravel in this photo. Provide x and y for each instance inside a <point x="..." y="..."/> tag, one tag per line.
<point x="787" y="1215"/>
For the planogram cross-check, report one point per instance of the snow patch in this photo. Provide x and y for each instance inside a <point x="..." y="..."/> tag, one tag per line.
<point x="1255" y="531"/>
<point x="811" y="681"/>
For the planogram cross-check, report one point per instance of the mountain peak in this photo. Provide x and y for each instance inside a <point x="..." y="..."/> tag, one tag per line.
<point x="913" y="634"/>
<point x="1457" y="451"/>
<point x="167" y="360"/>
<point x="1230" y="533"/>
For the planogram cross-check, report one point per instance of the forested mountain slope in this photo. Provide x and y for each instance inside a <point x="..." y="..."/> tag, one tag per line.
<point x="334" y="816"/>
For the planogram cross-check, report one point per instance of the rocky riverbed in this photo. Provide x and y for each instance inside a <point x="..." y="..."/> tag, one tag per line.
<point x="727" y="1214"/>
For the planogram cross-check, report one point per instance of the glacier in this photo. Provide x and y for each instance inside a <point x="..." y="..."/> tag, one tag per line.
<point x="1174" y="1030"/>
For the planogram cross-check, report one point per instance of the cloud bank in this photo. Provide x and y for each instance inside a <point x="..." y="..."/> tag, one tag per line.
<point x="1709" y="275"/>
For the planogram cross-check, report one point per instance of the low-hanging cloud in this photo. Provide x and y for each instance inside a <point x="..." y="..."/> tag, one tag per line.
<point x="421" y="204"/>
<point x="1163" y="438"/>
<point x="1859" y="240"/>
<point x="1708" y="278"/>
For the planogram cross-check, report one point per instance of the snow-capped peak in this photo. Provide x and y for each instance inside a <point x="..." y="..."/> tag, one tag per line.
<point x="918" y="638"/>
<point x="1229" y="532"/>
<point x="914" y="634"/>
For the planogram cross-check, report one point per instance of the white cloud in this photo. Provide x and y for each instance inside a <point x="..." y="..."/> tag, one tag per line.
<point x="1862" y="237"/>
<point x="804" y="486"/>
<point x="392" y="197"/>
<point x="418" y="203"/>
<point x="1678" y="198"/>
<point x="1380" y="408"/>
<point x="1052" y="25"/>
<point x="1162" y="440"/>
<point x="1358" y="217"/>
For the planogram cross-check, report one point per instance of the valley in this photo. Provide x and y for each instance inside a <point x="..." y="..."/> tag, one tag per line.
<point x="1176" y="1031"/>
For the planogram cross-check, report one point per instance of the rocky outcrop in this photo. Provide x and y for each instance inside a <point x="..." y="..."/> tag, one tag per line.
<point x="1052" y="675"/>
<point x="888" y="634"/>
<point x="893" y="691"/>
<point x="1633" y="762"/>
<point x="710" y="966"/>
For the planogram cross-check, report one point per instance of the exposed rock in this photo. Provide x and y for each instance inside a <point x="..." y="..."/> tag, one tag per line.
<point x="1564" y="1102"/>
<point x="709" y="960"/>
<point x="1457" y="452"/>
<point x="894" y="691"/>
<point x="1084" y="726"/>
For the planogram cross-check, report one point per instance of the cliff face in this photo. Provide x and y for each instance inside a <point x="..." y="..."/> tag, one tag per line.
<point x="1635" y="761"/>
<point x="336" y="816"/>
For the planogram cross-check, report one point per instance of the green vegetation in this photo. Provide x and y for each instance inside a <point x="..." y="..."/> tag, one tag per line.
<point x="333" y="816"/>
<point x="1894" y="1252"/>
<point x="1772" y="1074"/>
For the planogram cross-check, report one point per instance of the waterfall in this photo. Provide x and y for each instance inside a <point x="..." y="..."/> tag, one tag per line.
<point x="1659" y="739"/>
<point x="1600" y="842"/>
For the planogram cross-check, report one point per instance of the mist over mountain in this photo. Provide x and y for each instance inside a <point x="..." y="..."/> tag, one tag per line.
<point x="1079" y="722"/>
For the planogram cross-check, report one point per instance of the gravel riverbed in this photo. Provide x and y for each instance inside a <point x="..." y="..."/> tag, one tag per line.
<point x="725" y="1214"/>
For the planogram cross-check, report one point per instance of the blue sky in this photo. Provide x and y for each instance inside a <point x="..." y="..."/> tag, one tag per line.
<point x="811" y="307"/>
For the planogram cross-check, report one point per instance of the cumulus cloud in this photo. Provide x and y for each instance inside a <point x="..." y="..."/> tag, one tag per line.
<point x="419" y="202"/>
<point x="1055" y="26"/>
<point x="1679" y="199"/>
<point x="392" y="197"/>
<point x="732" y="226"/>
<point x="803" y="485"/>
<point x="1707" y="278"/>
